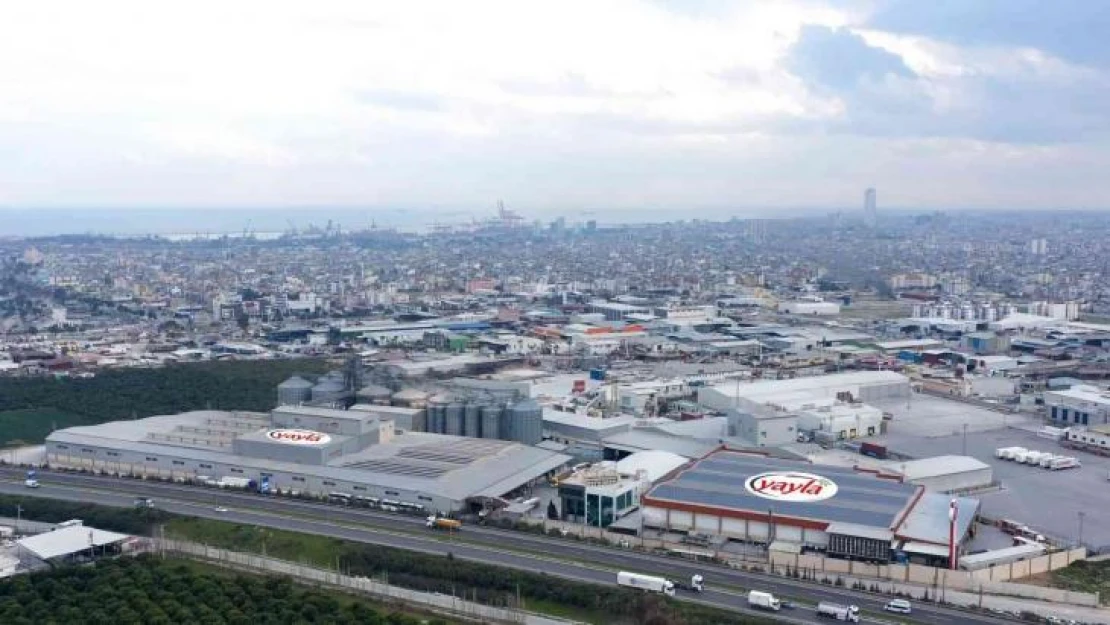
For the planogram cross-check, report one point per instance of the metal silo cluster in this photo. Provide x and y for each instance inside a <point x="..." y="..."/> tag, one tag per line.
<point x="485" y="418"/>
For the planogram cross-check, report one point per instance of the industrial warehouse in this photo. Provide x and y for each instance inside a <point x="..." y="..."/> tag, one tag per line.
<point x="353" y="454"/>
<point x="797" y="506"/>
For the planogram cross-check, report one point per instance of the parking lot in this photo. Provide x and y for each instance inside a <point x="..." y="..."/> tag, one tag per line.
<point x="930" y="416"/>
<point x="1048" y="501"/>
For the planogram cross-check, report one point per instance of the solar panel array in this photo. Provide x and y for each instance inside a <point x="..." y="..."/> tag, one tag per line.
<point x="718" y="481"/>
<point x="433" y="460"/>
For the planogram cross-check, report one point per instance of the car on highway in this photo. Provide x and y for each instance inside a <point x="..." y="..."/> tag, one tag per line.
<point x="899" y="606"/>
<point x="220" y="509"/>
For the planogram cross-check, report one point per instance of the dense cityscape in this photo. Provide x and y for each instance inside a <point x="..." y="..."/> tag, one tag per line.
<point x="599" y="380"/>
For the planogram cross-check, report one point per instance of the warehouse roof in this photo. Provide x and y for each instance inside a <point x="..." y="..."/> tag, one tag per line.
<point x="641" y="439"/>
<point x="719" y="481"/>
<point x="936" y="466"/>
<point x="656" y="464"/>
<point x="68" y="540"/>
<point x="448" y="466"/>
<point x="808" y="384"/>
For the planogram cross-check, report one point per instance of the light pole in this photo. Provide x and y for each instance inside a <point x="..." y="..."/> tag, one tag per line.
<point x="1082" y="515"/>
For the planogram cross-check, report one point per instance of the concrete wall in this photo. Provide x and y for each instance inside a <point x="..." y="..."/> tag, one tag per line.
<point x="994" y="580"/>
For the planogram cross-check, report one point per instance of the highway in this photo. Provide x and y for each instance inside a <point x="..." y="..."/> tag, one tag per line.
<point x="483" y="544"/>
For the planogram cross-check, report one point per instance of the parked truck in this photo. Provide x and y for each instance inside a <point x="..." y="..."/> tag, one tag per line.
<point x="1063" y="462"/>
<point x="838" y="611"/>
<point x="763" y="601"/>
<point x="443" y="523"/>
<point x="646" y="583"/>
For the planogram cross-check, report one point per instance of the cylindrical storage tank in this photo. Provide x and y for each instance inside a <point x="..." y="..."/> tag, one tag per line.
<point x="374" y="394"/>
<point x="294" y="391"/>
<point x="410" y="398"/>
<point x="453" y="419"/>
<point x="526" y="422"/>
<point x="437" y="409"/>
<point x="329" y="390"/>
<point x="491" y="421"/>
<point x="472" y="418"/>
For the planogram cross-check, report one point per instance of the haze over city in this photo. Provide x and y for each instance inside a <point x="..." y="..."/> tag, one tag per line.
<point x="650" y="107"/>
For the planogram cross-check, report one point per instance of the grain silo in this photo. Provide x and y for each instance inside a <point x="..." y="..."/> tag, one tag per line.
<point x="329" y="391"/>
<point x="410" y="398"/>
<point x="453" y="419"/>
<point x="525" y="421"/>
<point x="294" y="391"/>
<point x="472" y="419"/>
<point x="491" y="421"/>
<point x="437" y="412"/>
<point x="373" y="394"/>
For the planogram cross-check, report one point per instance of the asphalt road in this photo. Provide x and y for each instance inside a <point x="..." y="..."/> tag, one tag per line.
<point x="529" y="552"/>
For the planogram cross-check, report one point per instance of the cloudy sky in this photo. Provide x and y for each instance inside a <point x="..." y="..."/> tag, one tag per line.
<point x="555" y="106"/>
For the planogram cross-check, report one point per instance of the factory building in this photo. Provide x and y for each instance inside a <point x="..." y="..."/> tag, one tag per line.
<point x="616" y="311"/>
<point x="352" y="454"/>
<point x="945" y="474"/>
<point x="601" y="494"/>
<point x="842" y="512"/>
<point x="1079" y="405"/>
<point x="806" y="392"/>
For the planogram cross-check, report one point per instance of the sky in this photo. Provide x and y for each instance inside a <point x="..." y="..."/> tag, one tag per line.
<point x="648" y="106"/>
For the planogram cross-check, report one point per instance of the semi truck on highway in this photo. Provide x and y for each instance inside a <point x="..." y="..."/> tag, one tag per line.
<point x="441" y="523"/>
<point x="646" y="583"/>
<point x="696" y="584"/>
<point x="838" y="612"/>
<point x="763" y="601"/>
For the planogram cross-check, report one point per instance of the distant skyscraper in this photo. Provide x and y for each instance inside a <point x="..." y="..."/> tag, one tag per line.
<point x="870" y="207"/>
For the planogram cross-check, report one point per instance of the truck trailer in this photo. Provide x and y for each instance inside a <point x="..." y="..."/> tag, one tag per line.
<point x="646" y="583"/>
<point x="441" y="523"/>
<point x="838" y="611"/>
<point x="763" y="601"/>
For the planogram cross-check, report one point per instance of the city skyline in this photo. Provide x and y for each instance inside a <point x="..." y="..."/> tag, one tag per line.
<point x="703" y="106"/>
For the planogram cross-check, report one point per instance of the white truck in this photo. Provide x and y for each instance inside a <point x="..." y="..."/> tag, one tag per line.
<point x="646" y="583"/>
<point x="31" y="482"/>
<point x="763" y="601"/>
<point x="1012" y="453"/>
<point x="839" y="612"/>
<point x="1063" y="462"/>
<point x="697" y="584"/>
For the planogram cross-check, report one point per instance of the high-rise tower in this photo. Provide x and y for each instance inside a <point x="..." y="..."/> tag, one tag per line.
<point x="870" y="207"/>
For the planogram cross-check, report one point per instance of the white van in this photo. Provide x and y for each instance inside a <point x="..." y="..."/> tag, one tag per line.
<point x="900" y="606"/>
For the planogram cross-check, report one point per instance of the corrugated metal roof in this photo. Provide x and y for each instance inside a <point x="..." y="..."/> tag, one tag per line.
<point x="719" y="479"/>
<point x="68" y="540"/>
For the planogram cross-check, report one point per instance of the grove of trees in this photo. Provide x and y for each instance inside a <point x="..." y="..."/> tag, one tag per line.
<point x="151" y="591"/>
<point x="128" y="393"/>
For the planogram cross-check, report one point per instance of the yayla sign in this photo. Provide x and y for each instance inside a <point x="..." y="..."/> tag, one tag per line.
<point x="791" y="486"/>
<point x="298" y="437"/>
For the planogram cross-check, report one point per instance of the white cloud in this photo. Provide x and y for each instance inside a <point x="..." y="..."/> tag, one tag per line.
<point x="444" y="102"/>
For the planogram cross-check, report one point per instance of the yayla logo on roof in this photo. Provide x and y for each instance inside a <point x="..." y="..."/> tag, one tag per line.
<point x="298" y="437"/>
<point x="791" y="486"/>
